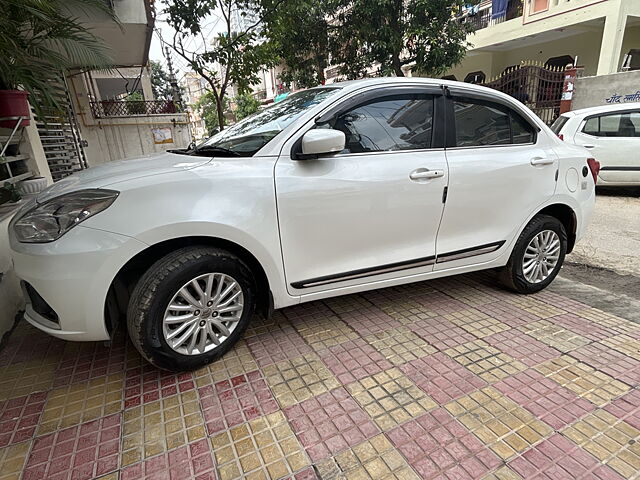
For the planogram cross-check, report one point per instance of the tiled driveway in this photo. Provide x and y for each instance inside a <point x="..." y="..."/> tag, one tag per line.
<point x="452" y="379"/>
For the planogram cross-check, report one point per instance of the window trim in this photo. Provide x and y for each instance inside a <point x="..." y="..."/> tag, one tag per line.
<point x="451" y="123"/>
<point x="451" y="143"/>
<point x="439" y="115"/>
<point x="583" y="122"/>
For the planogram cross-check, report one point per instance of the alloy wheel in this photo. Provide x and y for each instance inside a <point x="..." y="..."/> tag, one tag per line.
<point x="541" y="256"/>
<point x="203" y="313"/>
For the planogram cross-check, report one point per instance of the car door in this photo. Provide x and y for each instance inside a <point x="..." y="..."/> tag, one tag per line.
<point x="372" y="211"/>
<point x="614" y="140"/>
<point x="500" y="170"/>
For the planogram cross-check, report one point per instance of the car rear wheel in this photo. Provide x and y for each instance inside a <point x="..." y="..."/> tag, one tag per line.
<point x="190" y="307"/>
<point x="537" y="256"/>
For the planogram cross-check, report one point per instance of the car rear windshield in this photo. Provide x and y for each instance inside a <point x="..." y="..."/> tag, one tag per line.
<point x="249" y="135"/>
<point x="558" y="124"/>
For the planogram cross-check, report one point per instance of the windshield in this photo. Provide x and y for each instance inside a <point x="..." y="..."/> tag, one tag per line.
<point x="558" y="124"/>
<point x="249" y="135"/>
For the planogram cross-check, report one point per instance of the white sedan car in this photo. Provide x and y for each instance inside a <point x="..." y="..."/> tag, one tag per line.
<point x="612" y="134"/>
<point x="335" y="190"/>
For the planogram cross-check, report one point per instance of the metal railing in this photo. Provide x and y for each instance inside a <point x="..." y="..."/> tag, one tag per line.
<point x="129" y="108"/>
<point x="537" y="86"/>
<point x="482" y="19"/>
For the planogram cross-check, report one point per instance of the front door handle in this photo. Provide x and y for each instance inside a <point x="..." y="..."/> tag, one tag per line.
<point x="541" y="161"/>
<point x="425" y="174"/>
<point x="589" y="146"/>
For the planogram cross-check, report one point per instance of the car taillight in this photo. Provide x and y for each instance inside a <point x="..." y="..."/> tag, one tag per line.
<point x="594" y="166"/>
<point x="561" y="136"/>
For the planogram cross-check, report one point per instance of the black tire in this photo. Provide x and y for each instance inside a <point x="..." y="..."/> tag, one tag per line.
<point x="512" y="276"/>
<point x="155" y="290"/>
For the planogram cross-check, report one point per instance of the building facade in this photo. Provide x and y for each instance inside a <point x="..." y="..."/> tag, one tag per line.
<point x="596" y="34"/>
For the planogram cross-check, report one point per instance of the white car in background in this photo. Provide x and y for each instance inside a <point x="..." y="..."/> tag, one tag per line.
<point x="334" y="190"/>
<point x="611" y="133"/>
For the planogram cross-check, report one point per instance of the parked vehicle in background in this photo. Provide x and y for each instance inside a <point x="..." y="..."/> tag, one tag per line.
<point x="334" y="190"/>
<point x="611" y="133"/>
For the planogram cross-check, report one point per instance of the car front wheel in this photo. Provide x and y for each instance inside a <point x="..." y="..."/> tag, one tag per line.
<point x="190" y="307"/>
<point x="537" y="256"/>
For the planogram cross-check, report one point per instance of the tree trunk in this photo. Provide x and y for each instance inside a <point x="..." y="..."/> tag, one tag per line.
<point x="396" y="65"/>
<point x="220" y="110"/>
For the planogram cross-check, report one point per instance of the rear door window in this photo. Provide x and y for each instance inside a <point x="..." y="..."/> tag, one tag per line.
<point x="620" y="125"/>
<point x="483" y="123"/>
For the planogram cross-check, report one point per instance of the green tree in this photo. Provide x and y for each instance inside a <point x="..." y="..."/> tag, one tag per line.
<point x="209" y="111"/>
<point x="395" y="33"/>
<point x="160" y="84"/>
<point x="300" y="30"/>
<point x="40" y="39"/>
<point x="235" y="56"/>
<point x="246" y="104"/>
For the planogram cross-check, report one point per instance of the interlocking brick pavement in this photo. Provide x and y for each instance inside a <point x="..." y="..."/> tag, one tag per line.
<point x="262" y="448"/>
<point x="597" y="387"/>
<point x="390" y="398"/>
<point x="373" y="459"/>
<point x="330" y="423"/>
<point x="500" y="423"/>
<point x="451" y="379"/>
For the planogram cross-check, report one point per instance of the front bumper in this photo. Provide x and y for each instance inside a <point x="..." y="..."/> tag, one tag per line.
<point x="73" y="275"/>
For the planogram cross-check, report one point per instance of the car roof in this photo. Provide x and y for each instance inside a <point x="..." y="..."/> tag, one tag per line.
<point x="350" y="85"/>
<point x="612" y="107"/>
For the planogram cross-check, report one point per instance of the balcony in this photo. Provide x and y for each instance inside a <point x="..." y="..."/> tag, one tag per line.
<point x="129" y="108"/>
<point x="482" y="19"/>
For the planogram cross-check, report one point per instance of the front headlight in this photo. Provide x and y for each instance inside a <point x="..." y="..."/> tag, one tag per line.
<point x="52" y="219"/>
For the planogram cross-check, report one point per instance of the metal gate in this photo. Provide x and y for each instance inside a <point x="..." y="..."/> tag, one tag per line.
<point x="60" y="136"/>
<point x="538" y="86"/>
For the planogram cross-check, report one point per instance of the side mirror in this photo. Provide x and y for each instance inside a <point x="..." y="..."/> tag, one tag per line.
<point x="322" y="141"/>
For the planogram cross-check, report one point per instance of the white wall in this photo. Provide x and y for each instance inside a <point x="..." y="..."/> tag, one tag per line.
<point x="118" y="138"/>
<point x="593" y="91"/>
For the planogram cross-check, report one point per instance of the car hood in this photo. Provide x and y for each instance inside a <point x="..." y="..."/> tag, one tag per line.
<point x="114" y="172"/>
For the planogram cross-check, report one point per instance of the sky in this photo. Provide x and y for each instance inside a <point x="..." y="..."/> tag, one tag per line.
<point x="212" y="25"/>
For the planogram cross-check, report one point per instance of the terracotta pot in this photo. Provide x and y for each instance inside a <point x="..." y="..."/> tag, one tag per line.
<point x="14" y="103"/>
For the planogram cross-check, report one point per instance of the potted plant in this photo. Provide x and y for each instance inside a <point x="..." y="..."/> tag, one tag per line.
<point x="39" y="40"/>
<point x="9" y="193"/>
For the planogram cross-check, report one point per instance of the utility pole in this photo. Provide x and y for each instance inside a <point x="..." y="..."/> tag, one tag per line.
<point x="177" y="97"/>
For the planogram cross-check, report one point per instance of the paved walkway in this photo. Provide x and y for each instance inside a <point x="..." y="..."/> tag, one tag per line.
<point x="448" y="379"/>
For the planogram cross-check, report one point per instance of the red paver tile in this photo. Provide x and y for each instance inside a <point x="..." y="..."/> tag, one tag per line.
<point x="522" y="347"/>
<point x="440" y="303"/>
<point x="191" y="461"/>
<point x="281" y="343"/>
<point x="560" y="301"/>
<point x="556" y="458"/>
<point x="85" y="451"/>
<point x="239" y="399"/>
<point x="82" y="362"/>
<point x="27" y="343"/>
<point x="627" y="408"/>
<point x="441" y="377"/>
<point x="330" y="423"/>
<point x="437" y="444"/>
<point x="19" y="417"/>
<point x="307" y="474"/>
<point x="610" y="361"/>
<point x="584" y="327"/>
<point x="441" y="333"/>
<point x="555" y="405"/>
<point x="147" y="383"/>
<point x="307" y="311"/>
<point x="508" y="313"/>
<point x="368" y="320"/>
<point x="353" y="360"/>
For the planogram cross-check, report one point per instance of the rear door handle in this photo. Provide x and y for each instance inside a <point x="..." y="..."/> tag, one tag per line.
<point x="589" y="146"/>
<point x="541" y="161"/>
<point x="425" y="174"/>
